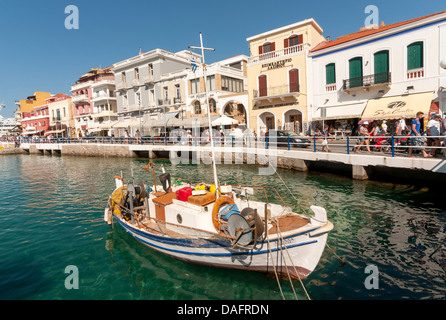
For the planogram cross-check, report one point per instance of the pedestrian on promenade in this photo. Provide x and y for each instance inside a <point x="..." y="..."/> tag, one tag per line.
<point x="416" y="140"/>
<point x="363" y="136"/>
<point x="326" y="133"/>
<point x="433" y="130"/>
<point x="443" y="133"/>
<point x="401" y="126"/>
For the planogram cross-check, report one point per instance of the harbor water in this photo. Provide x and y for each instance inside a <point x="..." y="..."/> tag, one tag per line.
<point x="391" y="237"/>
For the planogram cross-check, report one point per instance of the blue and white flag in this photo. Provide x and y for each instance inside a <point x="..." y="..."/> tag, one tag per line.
<point x="193" y="64"/>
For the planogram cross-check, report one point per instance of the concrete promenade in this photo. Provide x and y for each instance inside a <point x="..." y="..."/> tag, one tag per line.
<point x="362" y="166"/>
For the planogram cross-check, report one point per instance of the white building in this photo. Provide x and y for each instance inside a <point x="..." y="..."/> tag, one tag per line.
<point x="381" y="72"/>
<point x="227" y="86"/>
<point x="150" y="89"/>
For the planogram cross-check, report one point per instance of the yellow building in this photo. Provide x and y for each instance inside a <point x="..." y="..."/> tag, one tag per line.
<point x="278" y="71"/>
<point x="38" y="99"/>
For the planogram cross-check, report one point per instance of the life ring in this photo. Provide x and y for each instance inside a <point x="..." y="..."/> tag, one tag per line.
<point x="220" y="201"/>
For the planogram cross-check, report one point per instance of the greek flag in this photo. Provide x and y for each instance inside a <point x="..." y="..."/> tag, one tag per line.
<point x="193" y="64"/>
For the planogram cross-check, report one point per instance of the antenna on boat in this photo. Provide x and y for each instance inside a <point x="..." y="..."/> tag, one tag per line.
<point x="214" y="167"/>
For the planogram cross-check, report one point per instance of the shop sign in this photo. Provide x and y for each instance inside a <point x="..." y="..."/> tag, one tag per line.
<point x="276" y="64"/>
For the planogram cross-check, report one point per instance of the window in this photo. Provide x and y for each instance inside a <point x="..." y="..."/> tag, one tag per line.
<point x="231" y="84"/>
<point x="195" y="86"/>
<point x="415" y="56"/>
<point x="177" y="91"/>
<point x="150" y="67"/>
<point x="293" y="76"/>
<point x="381" y="68"/>
<point x="197" y="107"/>
<point x="152" y="96"/>
<point x="136" y="74"/>
<point x="124" y="101"/>
<point x="330" y="73"/>
<point x="123" y="78"/>
<point x="293" y="41"/>
<point x="355" y="72"/>
<point x="138" y="98"/>
<point x="267" y="47"/>
<point x="262" y="86"/>
<point x="210" y="83"/>
<point x="212" y="106"/>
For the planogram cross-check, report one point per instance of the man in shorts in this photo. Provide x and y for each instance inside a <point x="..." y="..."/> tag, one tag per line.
<point x="417" y="140"/>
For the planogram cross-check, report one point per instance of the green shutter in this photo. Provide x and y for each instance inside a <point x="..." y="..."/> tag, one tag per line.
<point x="415" y="56"/>
<point x="381" y="60"/>
<point x="330" y="73"/>
<point x="355" y="72"/>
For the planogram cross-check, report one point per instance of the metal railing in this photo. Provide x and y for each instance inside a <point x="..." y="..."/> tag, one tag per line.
<point x="379" y="145"/>
<point x="365" y="81"/>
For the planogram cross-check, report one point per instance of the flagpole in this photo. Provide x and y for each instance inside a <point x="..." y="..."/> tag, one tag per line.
<point x="214" y="167"/>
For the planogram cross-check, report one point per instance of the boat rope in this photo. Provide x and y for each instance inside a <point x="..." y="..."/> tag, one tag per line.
<point x="289" y="256"/>
<point x="274" y="268"/>
<point x="342" y="261"/>
<point x="286" y="186"/>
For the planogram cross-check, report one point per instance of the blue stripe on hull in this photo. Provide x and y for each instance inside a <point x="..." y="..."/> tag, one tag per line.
<point x="143" y="237"/>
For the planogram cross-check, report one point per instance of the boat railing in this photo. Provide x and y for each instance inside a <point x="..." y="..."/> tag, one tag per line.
<point x="389" y="145"/>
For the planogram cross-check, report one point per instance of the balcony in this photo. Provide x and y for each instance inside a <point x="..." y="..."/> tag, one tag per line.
<point x="415" y="73"/>
<point x="163" y="102"/>
<point x="80" y="98"/>
<point x="121" y="86"/>
<point x="279" y="92"/>
<point x="365" y="82"/>
<point x="285" y="52"/>
<point x="135" y="83"/>
<point x="102" y="97"/>
<point x="150" y="79"/>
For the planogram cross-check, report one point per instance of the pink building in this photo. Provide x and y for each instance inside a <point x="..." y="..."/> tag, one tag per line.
<point x="83" y="100"/>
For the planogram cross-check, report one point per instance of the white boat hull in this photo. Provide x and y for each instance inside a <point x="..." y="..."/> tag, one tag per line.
<point x="297" y="254"/>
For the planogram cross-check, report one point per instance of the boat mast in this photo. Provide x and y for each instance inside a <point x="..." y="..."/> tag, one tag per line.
<point x="214" y="167"/>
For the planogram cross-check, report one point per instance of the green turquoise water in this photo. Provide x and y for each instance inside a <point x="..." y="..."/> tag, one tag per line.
<point x="52" y="217"/>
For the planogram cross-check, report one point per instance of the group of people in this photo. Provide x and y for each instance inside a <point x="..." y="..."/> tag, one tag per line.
<point x="435" y="129"/>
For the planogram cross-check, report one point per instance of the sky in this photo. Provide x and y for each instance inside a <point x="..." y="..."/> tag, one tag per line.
<point x="38" y="53"/>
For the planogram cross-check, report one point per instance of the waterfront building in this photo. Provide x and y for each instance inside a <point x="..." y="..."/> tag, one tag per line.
<point x="7" y="125"/>
<point x="89" y="91"/>
<point x="278" y="69"/>
<point x="380" y="72"/>
<point x="150" y="90"/>
<point x="36" y="121"/>
<point x="226" y="86"/>
<point x="61" y="121"/>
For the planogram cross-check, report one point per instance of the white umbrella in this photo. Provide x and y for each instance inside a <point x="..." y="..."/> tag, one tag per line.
<point x="224" y="121"/>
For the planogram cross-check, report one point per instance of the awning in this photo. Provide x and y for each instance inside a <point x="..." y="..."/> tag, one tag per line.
<point x="54" y="131"/>
<point x="224" y="121"/>
<point x="127" y="123"/>
<point x="396" y="106"/>
<point x="344" y="111"/>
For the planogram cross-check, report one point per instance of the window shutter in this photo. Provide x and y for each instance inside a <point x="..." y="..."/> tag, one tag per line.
<point x="415" y="56"/>
<point x="300" y="39"/>
<point x="381" y="69"/>
<point x="294" y="80"/>
<point x="260" y="49"/>
<point x="355" y="72"/>
<point x="330" y="73"/>
<point x="262" y="86"/>
<point x="273" y="46"/>
<point x="286" y="43"/>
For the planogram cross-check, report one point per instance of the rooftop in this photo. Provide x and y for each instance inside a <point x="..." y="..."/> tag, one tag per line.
<point x="366" y="32"/>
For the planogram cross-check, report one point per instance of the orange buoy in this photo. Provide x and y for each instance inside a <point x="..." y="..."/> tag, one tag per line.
<point x="220" y="201"/>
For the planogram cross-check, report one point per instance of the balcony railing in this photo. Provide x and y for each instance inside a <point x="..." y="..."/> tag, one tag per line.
<point x="149" y="79"/>
<point x="279" y="91"/>
<point x="177" y="100"/>
<point x="298" y="49"/>
<point x="367" y="81"/>
<point x="163" y="102"/>
<point x="80" y="98"/>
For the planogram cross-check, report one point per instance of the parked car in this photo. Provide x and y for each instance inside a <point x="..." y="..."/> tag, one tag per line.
<point x="282" y="138"/>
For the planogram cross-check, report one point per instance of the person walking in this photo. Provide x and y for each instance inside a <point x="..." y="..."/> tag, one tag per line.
<point x="416" y="140"/>
<point x="433" y="130"/>
<point x="326" y="133"/>
<point x="363" y="136"/>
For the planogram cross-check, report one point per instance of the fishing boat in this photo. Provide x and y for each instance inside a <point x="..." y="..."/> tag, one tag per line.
<point x="219" y="225"/>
